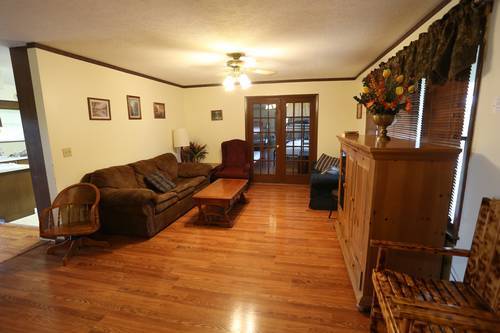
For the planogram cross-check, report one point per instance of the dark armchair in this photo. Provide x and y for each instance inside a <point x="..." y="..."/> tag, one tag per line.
<point x="235" y="160"/>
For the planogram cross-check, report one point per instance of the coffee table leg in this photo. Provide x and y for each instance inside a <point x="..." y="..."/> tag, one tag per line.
<point x="243" y="199"/>
<point x="201" y="214"/>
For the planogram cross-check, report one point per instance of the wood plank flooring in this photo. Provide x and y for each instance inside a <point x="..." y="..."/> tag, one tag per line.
<point x="279" y="269"/>
<point x="16" y="239"/>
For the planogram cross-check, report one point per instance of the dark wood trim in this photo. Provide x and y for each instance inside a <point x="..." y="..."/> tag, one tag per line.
<point x="29" y="118"/>
<point x="426" y="18"/>
<point x="99" y="99"/>
<point x="9" y="105"/>
<point x="128" y="108"/>
<point x="280" y="101"/>
<point x="97" y="62"/>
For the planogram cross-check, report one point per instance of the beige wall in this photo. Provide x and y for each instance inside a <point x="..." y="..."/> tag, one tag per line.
<point x="336" y="112"/>
<point x="62" y="86"/>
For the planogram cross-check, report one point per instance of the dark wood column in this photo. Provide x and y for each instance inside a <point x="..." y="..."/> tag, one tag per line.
<point x="27" y="107"/>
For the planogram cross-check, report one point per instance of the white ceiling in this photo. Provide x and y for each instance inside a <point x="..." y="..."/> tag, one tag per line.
<point x="184" y="41"/>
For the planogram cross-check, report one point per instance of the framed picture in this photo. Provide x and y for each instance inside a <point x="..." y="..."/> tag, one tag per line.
<point x="216" y="115"/>
<point x="359" y="111"/>
<point x="159" y="110"/>
<point x="134" y="107"/>
<point x="99" y="108"/>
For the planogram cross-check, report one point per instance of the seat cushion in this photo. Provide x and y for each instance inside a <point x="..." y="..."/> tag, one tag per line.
<point x="165" y="200"/>
<point x="185" y="186"/>
<point x="232" y="172"/>
<point x="122" y="176"/>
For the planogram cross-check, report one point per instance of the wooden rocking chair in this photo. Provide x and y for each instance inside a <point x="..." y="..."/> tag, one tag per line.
<point x="73" y="215"/>
<point x="409" y="304"/>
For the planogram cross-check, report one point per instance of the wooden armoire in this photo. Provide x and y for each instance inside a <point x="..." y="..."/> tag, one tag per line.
<point x="391" y="191"/>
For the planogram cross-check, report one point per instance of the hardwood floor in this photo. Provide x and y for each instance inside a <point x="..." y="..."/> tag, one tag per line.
<point x="16" y="239"/>
<point x="279" y="269"/>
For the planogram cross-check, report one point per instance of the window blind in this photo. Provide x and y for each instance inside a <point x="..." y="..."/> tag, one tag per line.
<point x="405" y="124"/>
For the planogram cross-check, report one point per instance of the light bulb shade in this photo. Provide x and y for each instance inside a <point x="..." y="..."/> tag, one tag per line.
<point x="229" y="83"/>
<point x="245" y="82"/>
<point x="181" y="138"/>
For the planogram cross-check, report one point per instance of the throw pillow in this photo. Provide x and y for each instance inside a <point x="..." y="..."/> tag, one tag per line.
<point x="325" y="162"/>
<point x="159" y="182"/>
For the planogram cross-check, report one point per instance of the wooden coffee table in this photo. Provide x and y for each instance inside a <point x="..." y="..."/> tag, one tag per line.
<point x="217" y="199"/>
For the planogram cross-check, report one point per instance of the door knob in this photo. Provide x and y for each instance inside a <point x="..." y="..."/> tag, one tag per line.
<point x="277" y="146"/>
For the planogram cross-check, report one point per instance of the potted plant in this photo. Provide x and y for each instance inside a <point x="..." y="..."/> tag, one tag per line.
<point x="384" y="94"/>
<point x="196" y="152"/>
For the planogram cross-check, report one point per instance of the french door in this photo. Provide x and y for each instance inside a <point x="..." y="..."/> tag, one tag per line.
<point x="282" y="134"/>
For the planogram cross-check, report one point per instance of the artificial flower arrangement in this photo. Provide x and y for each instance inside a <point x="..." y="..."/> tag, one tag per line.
<point x="386" y="93"/>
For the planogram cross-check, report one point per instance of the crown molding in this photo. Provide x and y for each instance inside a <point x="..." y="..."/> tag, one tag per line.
<point x="98" y="62"/>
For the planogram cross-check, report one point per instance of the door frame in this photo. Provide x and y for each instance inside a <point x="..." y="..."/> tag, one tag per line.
<point x="280" y="101"/>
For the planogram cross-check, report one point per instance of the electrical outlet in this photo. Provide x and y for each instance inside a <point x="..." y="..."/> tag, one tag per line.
<point x="67" y="152"/>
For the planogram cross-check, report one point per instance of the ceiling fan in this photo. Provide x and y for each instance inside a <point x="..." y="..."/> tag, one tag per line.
<point x="238" y="66"/>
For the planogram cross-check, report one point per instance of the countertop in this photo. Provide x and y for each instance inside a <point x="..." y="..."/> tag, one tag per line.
<point x="12" y="159"/>
<point x="12" y="167"/>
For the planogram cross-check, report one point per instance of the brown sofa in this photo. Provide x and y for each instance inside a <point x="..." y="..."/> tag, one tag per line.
<point x="129" y="207"/>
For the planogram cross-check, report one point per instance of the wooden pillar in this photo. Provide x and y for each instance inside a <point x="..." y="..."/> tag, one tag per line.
<point x="27" y="107"/>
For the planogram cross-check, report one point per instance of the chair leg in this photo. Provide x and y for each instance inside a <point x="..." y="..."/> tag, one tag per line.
<point x="73" y="249"/>
<point x="330" y="214"/>
<point x="52" y="249"/>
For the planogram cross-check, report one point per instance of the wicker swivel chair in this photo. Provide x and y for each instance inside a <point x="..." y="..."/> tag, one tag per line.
<point x="410" y="304"/>
<point x="73" y="215"/>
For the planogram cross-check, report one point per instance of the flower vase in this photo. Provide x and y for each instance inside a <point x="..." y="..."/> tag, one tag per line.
<point x="383" y="121"/>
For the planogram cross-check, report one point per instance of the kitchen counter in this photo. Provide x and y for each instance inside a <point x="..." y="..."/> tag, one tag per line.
<point x="16" y="191"/>
<point x="13" y="159"/>
<point x="12" y="167"/>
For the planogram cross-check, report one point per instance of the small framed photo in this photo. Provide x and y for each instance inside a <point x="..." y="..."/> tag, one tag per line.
<point x="99" y="108"/>
<point x="216" y="115"/>
<point x="134" y="107"/>
<point x="159" y="110"/>
<point x="359" y="111"/>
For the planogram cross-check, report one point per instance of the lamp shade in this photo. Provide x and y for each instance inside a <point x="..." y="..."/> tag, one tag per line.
<point x="181" y="138"/>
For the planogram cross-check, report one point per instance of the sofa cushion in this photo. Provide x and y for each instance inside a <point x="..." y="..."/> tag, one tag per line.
<point x="122" y="176"/>
<point x="165" y="200"/>
<point x="194" y="169"/>
<point x="158" y="182"/>
<point x="142" y="169"/>
<point x="167" y="163"/>
<point x="185" y="186"/>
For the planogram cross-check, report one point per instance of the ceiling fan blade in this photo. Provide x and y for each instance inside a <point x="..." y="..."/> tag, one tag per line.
<point x="261" y="71"/>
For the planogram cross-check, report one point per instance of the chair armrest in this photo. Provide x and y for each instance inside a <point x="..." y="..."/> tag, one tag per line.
<point x="188" y="170"/>
<point x="447" y="251"/>
<point x="126" y="196"/>
<point x="466" y="318"/>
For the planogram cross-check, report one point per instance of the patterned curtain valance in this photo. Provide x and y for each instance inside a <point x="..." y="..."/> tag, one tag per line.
<point x="447" y="50"/>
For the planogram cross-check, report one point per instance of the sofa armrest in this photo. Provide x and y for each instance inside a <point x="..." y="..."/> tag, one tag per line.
<point x="187" y="170"/>
<point x="126" y="196"/>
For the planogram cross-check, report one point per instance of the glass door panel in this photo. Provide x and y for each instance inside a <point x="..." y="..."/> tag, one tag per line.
<point x="264" y="138"/>
<point x="297" y="127"/>
<point x="281" y="132"/>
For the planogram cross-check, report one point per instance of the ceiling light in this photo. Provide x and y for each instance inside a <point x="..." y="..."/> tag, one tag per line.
<point x="245" y="82"/>
<point x="229" y="83"/>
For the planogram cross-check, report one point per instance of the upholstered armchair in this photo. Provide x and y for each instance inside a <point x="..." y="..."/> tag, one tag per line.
<point x="235" y="160"/>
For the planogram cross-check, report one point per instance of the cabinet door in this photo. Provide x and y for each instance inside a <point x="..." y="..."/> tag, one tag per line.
<point x="359" y="216"/>
<point x="348" y="195"/>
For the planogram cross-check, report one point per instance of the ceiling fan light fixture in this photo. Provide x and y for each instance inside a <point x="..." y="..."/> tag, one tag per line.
<point x="245" y="82"/>
<point x="229" y="83"/>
